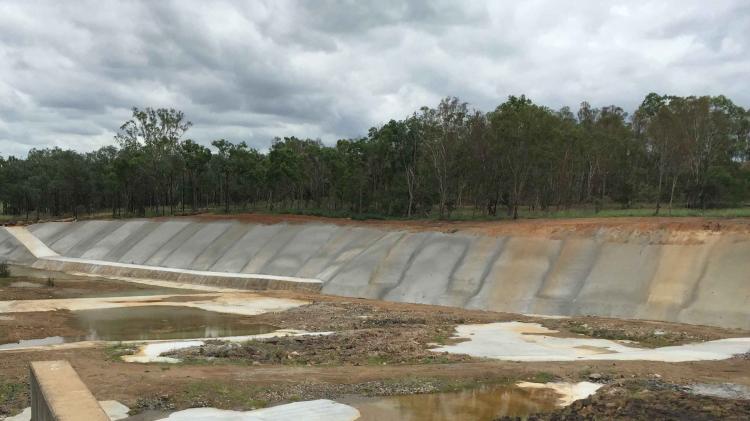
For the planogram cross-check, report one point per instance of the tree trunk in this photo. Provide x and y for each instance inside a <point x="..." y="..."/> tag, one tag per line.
<point x="658" y="192"/>
<point x="671" y="194"/>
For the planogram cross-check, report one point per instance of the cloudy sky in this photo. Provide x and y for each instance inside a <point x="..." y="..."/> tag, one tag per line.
<point x="71" y="71"/>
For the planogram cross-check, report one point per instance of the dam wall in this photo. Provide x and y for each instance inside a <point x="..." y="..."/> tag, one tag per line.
<point x="694" y="276"/>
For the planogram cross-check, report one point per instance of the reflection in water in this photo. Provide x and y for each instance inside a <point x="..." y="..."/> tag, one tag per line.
<point x="24" y="343"/>
<point x="163" y="322"/>
<point x="151" y="322"/>
<point x="481" y="404"/>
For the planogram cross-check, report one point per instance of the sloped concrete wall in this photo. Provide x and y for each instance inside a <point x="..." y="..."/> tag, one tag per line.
<point x="12" y="251"/>
<point x="703" y="278"/>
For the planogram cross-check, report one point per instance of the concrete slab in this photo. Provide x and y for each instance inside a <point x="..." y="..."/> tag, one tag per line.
<point x="211" y="255"/>
<point x="324" y="255"/>
<point x="146" y="248"/>
<point x="238" y="256"/>
<point x="135" y="234"/>
<point x="85" y="245"/>
<point x="184" y="255"/>
<point x="470" y="273"/>
<point x="517" y="275"/>
<point x="271" y="248"/>
<point x="353" y="278"/>
<point x="114" y="410"/>
<point x="106" y="245"/>
<point x="391" y="271"/>
<point x="166" y="250"/>
<point x="80" y="232"/>
<point x="722" y="296"/>
<point x="361" y="241"/>
<point x="566" y="277"/>
<point x="619" y="281"/>
<point x="32" y="244"/>
<point x="318" y="410"/>
<point x="516" y="341"/>
<point x="430" y="271"/>
<point x="298" y="250"/>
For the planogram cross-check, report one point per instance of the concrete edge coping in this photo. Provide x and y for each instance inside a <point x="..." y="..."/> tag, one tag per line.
<point x="59" y="394"/>
<point x="185" y="271"/>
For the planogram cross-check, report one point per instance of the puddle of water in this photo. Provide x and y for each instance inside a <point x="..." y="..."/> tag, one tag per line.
<point x="24" y="343"/>
<point x="151" y="323"/>
<point x="163" y="322"/>
<point x="482" y="404"/>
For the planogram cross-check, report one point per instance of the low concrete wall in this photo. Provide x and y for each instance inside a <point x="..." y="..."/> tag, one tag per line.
<point x="227" y="280"/>
<point x="58" y="394"/>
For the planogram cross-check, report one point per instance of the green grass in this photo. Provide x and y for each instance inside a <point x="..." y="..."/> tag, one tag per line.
<point x="115" y="351"/>
<point x="544" y="377"/>
<point x="14" y="396"/>
<point x="461" y="214"/>
<point x="222" y="395"/>
<point x="471" y="214"/>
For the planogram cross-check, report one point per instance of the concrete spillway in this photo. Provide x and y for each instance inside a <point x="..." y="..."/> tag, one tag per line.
<point x="699" y="277"/>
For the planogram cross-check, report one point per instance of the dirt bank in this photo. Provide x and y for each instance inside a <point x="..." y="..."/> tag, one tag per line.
<point x="541" y="227"/>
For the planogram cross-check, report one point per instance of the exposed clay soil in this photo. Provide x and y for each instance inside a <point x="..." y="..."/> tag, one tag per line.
<point x="546" y="227"/>
<point x="69" y="288"/>
<point x="37" y="325"/>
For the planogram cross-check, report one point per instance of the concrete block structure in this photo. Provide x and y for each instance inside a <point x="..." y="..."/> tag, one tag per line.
<point x="58" y="394"/>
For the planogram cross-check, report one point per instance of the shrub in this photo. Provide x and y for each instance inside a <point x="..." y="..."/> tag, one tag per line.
<point x="4" y="270"/>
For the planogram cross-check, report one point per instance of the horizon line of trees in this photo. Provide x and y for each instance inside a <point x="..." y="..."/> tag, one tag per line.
<point x="686" y="151"/>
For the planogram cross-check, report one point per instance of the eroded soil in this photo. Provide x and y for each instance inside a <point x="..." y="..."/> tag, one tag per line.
<point x="545" y="227"/>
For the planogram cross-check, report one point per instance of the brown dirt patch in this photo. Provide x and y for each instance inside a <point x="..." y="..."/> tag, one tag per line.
<point x="70" y="288"/>
<point x="541" y="227"/>
<point x="37" y="325"/>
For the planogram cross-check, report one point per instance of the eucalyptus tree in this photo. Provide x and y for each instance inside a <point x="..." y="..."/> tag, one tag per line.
<point x="196" y="158"/>
<point x="158" y="132"/>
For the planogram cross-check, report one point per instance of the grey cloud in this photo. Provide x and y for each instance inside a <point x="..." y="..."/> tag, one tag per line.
<point x="250" y="71"/>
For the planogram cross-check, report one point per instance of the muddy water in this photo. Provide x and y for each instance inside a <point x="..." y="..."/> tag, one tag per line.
<point x="151" y="323"/>
<point x="482" y="404"/>
<point x="163" y="322"/>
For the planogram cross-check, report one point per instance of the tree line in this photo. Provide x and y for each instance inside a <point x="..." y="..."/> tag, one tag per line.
<point x="672" y="151"/>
